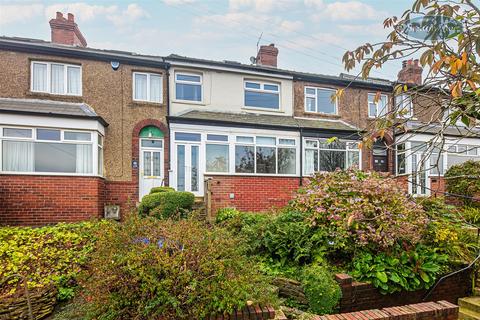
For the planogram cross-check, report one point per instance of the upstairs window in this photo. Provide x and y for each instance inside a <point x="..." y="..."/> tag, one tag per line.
<point x="377" y="108"/>
<point x="404" y="105"/>
<point x="147" y="87"/>
<point x="56" y="78"/>
<point x="188" y="87"/>
<point x="262" y="95"/>
<point x="320" y="100"/>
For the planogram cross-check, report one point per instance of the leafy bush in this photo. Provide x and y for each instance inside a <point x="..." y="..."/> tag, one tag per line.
<point x="149" y="268"/>
<point x="400" y="270"/>
<point x="363" y="210"/>
<point x="163" y="205"/>
<point x="54" y="254"/>
<point x="161" y="189"/>
<point x="463" y="179"/>
<point x="321" y="289"/>
<point x="225" y="214"/>
<point x="471" y="215"/>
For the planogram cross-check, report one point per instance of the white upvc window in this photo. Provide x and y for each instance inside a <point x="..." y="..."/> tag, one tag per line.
<point x="320" y="155"/>
<point x="320" y="100"/>
<point x="40" y="150"/>
<point x="147" y="87"/>
<point x="263" y="95"/>
<point x="56" y="78"/>
<point x="404" y="105"/>
<point x="377" y="108"/>
<point x="188" y="86"/>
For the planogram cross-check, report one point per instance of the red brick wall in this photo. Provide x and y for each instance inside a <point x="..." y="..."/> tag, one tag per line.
<point x="39" y="200"/>
<point x="252" y="193"/>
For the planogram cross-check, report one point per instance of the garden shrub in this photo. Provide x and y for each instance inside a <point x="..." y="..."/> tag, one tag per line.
<point x="147" y="268"/>
<point x="364" y="210"/>
<point x="164" y="205"/>
<point x="463" y="179"/>
<point x="53" y="254"/>
<point x="321" y="289"/>
<point x="471" y="215"/>
<point x="225" y="214"/>
<point x="161" y="189"/>
<point x="400" y="270"/>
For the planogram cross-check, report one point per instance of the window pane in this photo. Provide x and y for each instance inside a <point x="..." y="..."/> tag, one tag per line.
<point x="286" y="160"/>
<point x="436" y="164"/>
<point x="270" y="87"/>
<point x="155" y="88"/>
<point x="244" y="139"/>
<point x="39" y="82"/>
<point x="311" y="104"/>
<point x="181" y="168"/>
<point x="186" y="77"/>
<point x="48" y="134"/>
<point x="190" y="92"/>
<point x="79" y="136"/>
<point x="217" y="158"/>
<point x="311" y="143"/>
<point x="401" y="159"/>
<point x="262" y="100"/>
<point x="331" y="160"/>
<point x="311" y="161"/>
<point x="100" y="161"/>
<point x="353" y="159"/>
<point x="73" y="80"/>
<point x="324" y="101"/>
<point x="382" y="106"/>
<point x="100" y="140"/>
<point x="18" y="156"/>
<point x="140" y="86"/>
<point x="472" y="151"/>
<point x="372" y="109"/>
<point x="157" y="164"/>
<point x="290" y="142"/>
<point x="147" y="163"/>
<point x="17" y="133"/>
<point x="244" y="159"/>
<point x="217" y="137"/>
<point x="186" y="136"/>
<point x="266" y="160"/>
<point x="57" y="78"/>
<point x="269" y="141"/>
<point x="194" y="172"/>
<point x="152" y="143"/>
<point x="310" y="91"/>
<point x="252" y="85"/>
<point x="69" y="158"/>
<point x="337" y="144"/>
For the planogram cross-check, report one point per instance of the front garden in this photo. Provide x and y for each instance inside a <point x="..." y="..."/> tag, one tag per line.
<point x="165" y="262"/>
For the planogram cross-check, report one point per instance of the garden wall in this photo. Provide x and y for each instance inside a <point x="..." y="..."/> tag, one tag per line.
<point x="362" y="296"/>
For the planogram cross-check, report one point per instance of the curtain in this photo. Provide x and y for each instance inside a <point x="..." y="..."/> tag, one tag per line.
<point x="39" y="77"/>
<point x="155" y="88"/>
<point x="141" y="87"/>
<point x="57" y="78"/>
<point x="84" y="158"/>
<point x="73" y="80"/>
<point x="310" y="161"/>
<point x="18" y="156"/>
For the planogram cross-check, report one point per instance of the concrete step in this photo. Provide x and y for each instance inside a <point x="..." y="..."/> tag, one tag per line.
<point x="476" y="291"/>
<point x="471" y="303"/>
<point x="467" y="314"/>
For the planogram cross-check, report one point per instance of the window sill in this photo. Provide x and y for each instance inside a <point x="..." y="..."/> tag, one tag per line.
<point x="50" y="174"/>
<point x="199" y="103"/>
<point x="63" y="97"/>
<point x="321" y="114"/>
<point x="138" y="103"/>
<point x="262" y="109"/>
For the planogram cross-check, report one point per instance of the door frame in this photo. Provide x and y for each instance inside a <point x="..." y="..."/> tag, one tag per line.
<point x="141" y="164"/>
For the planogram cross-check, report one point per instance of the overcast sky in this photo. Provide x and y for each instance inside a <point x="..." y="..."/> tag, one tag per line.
<point x="311" y="35"/>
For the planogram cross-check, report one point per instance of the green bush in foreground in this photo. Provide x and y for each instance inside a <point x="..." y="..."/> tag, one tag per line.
<point x="161" y="189"/>
<point x="147" y="268"/>
<point x="321" y="289"/>
<point x="462" y="179"/>
<point x="164" y="205"/>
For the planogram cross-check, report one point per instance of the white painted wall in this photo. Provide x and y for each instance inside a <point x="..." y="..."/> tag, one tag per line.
<point x="223" y="91"/>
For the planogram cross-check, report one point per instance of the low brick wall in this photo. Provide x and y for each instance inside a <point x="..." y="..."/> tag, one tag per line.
<point x="363" y="296"/>
<point x="249" y="312"/>
<point x="441" y="310"/>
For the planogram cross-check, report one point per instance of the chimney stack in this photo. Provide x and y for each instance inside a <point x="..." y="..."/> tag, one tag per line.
<point x="411" y="72"/>
<point x="65" y="31"/>
<point x="267" y="56"/>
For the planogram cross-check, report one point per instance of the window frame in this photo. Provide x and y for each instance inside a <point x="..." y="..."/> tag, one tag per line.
<point x="262" y="89"/>
<point x="308" y="95"/>
<point x="188" y="73"/>
<point x="49" y="78"/>
<point x="148" y="74"/>
<point x="403" y="102"/>
<point x="94" y="143"/>
<point x="377" y="111"/>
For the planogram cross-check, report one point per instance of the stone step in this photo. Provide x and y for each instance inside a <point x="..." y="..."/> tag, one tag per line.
<point x="467" y="314"/>
<point x="471" y="303"/>
<point x="476" y="291"/>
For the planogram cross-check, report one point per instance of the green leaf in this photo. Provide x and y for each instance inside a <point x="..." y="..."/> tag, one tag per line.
<point x="382" y="276"/>
<point x="424" y="276"/>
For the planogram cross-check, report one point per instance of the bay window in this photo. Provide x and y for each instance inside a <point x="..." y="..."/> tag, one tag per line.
<point x="147" y="87"/>
<point x="42" y="150"/>
<point x="56" y="78"/>
<point x="217" y="153"/>
<point x="320" y="100"/>
<point x="321" y="155"/>
<point x="262" y="95"/>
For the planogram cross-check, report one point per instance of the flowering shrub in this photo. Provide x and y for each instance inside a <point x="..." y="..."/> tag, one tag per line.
<point x="358" y="209"/>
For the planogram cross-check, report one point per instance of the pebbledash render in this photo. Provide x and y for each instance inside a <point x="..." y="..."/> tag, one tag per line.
<point x="87" y="132"/>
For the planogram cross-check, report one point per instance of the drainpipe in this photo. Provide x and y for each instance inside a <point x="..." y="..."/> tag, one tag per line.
<point x="167" y="74"/>
<point x="300" y="183"/>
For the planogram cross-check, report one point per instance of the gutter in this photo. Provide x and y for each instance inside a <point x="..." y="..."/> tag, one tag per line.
<point x="57" y="115"/>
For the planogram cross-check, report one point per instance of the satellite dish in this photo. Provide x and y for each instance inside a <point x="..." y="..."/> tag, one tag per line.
<point x="253" y="60"/>
<point x="115" y="65"/>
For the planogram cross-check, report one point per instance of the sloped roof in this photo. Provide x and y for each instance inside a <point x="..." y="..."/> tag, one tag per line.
<point x="434" y="128"/>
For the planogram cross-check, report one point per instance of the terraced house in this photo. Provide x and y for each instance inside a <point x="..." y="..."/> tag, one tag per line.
<point x="87" y="132"/>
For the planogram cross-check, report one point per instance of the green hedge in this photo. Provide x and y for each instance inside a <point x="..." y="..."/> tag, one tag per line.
<point x="164" y="205"/>
<point x="161" y="189"/>
<point x="463" y="179"/>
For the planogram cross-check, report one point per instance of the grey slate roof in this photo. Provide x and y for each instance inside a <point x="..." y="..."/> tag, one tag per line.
<point x="266" y="120"/>
<point x="50" y="108"/>
<point x="419" y="127"/>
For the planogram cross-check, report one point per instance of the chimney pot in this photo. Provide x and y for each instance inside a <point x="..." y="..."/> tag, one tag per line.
<point x="65" y="31"/>
<point x="267" y="55"/>
<point x="411" y="72"/>
<point x="59" y="15"/>
<point x="71" y="17"/>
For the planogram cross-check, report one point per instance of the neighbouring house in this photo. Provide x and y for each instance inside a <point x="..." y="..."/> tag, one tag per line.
<point x="87" y="132"/>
